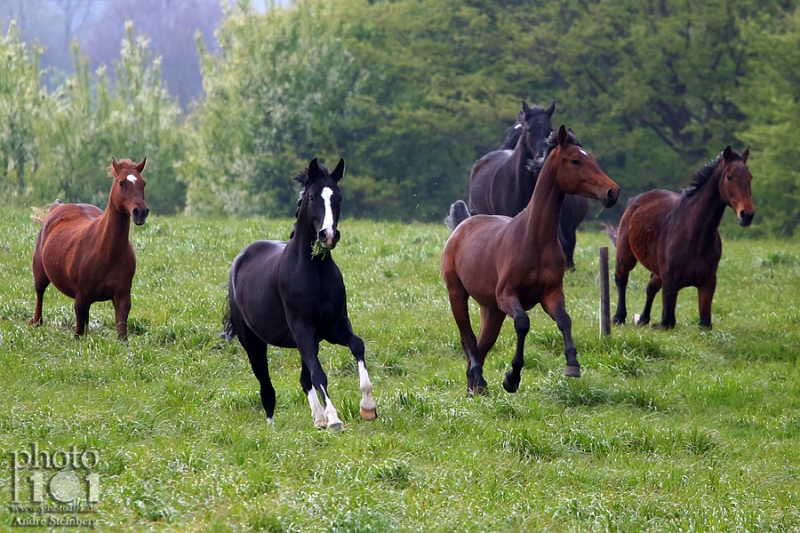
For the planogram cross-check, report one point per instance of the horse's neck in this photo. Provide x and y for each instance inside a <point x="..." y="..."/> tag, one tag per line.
<point x="114" y="228"/>
<point x="544" y="209"/>
<point x="705" y="208"/>
<point x="302" y="243"/>
<point x="524" y="179"/>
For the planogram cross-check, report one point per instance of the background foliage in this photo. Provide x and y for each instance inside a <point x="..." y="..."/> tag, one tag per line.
<point x="411" y="93"/>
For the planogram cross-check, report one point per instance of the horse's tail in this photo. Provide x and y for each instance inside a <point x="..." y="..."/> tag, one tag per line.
<point x="39" y="214"/>
<point x="228" y="331"/>
<point x="611" y="231"/>
<point x="459" y="212"/>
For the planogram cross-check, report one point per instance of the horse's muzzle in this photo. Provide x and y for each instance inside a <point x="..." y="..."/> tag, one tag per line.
<point x="139" y="215"/>
<point x="328" y="241"/>
<point x="612" y="195"/>
<point x="745" y="218"/>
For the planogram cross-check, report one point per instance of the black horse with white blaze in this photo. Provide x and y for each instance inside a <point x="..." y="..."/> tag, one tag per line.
<point x="291" y="294"/>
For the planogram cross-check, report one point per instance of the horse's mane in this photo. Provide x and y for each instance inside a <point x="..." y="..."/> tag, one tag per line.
<point x="702" y="176"/>
<point x="535" y="165"/>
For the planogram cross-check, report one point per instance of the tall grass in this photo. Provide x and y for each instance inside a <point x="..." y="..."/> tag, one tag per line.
<point x="683" y="430"/>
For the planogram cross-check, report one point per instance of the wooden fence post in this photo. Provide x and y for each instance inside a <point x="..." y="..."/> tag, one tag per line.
<point x="605" y="305"/>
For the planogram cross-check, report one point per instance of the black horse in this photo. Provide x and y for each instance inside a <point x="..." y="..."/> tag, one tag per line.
<point x="291" y="294"/>
<point x="502" y="181"/>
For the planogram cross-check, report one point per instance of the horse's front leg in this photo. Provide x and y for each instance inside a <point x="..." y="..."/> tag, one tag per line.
<point x="705" y="295"/>
<point x="553" y="305"/>
<point x="510" y="305"/>
<point x="81" y="314"/>
<point x="669" y="300"/>
<point x="122" y="307"/>
<point x="653" y="286"/>
<point x="313" y="378"/>
<point x="344" y="336"/>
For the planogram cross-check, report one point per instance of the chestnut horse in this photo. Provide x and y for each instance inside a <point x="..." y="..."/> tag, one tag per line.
<point x="502" y="181"/>
<point x="85" y="252"/>
<point x="676" y="236"/>
<point x="508" y="265"/>
<point x="292" y="295"/>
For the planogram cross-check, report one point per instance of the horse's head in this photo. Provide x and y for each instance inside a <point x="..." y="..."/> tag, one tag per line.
<point x="734" y="184"/>
<point x="320" y="201"/>
<point x="535" y="127"/>
<point x="578" y="171"/>
<point x="127" y="193"/>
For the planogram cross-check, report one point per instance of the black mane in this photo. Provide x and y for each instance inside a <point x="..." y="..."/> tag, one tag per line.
<point x="535" y="165"/>
<point x="702" y="176"/>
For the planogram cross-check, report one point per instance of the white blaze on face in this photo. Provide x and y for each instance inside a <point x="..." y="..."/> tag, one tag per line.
<point x="327" y="222"/>
<point x="583" y="151"/>
<point x="131" y="178"/>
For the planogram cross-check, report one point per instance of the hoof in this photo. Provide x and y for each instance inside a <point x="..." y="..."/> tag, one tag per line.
<point x="572" y="371"/>
<point x="480" y="390"/>
<point x="321" y="423"/>
<point x="336" y="427"/>
<point x="635" y="321"/>
<point x="368" y="414"/>
<point x="509" y="386"/>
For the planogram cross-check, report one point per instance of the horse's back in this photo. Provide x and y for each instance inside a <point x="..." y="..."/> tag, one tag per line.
<point x="644" y="223"/>
<point x="254" y="291"/>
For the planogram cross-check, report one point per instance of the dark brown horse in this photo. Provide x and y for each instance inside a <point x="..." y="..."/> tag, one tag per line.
<point x="508" y="265"/>
<point x="502" y="181"/>
<point x="85" y="252"/>
<point x="676" y="237"/>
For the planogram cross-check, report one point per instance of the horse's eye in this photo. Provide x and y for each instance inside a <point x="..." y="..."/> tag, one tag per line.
<point x="728" y="177"/>
<point x="122" y="183"/>
<point x="576" y="162"/>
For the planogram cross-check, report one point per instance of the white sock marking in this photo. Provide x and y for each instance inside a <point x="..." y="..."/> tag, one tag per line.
<point x="366" y="388"/>
<point x="330" y="411"/>
<point x="316" y="409"/>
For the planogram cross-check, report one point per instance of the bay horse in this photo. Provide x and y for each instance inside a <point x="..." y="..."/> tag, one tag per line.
<point x="676" y="236"/>
<point x="292" y="295"/>
<point x="508" y="265"/>
<point x="86" y="253"/>
<point x="502" y="181"/>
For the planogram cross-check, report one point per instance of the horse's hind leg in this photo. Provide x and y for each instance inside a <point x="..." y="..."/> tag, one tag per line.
<point x="491" y="324"/>
<point x="653" y="286"/>
<point x="317" y="411"/>
<point x="553" y="305"/>
<point x="459" y="305"/>
<point x="40" y="283"/>
<point x="344" y="336"/>
<point x="626" y="262"/>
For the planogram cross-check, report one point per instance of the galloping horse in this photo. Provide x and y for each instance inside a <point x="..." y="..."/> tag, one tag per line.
<point x="291" y="294"/>
<point x="502" y="181"/>
<point x="676" y="236"/>
<point x="85" y="252"/>
<point x="508" y="265"/>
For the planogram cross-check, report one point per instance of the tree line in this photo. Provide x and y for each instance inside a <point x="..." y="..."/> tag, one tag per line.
<point x="410" y="93"/>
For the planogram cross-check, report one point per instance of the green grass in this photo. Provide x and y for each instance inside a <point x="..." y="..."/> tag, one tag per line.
<point x="666" y="431"/>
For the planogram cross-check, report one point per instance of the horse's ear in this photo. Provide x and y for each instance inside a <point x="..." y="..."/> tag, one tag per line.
<point x="115" y="165"/>
<point x="338" y="172"/>
<point x="746" y="154"/>
<point x="525" y="107"/>
<point x="550" y="109"/>
<point x="726" y="153"/>
<point x="140" y="166"/>
<point x="313" y="170"/>
<point x="563" y="136"/>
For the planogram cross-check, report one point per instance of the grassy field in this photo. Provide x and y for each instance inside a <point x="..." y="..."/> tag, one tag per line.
<point x="666" y="431"/>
